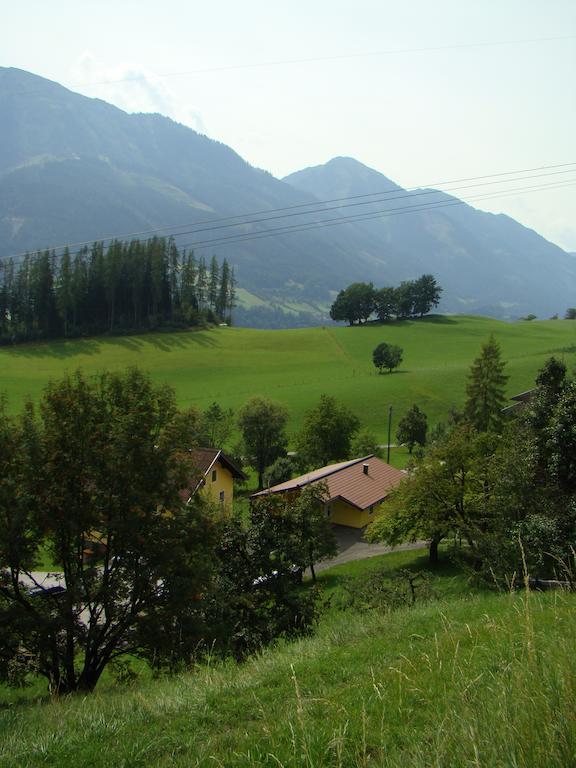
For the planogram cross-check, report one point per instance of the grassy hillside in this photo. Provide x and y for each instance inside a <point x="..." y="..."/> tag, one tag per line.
<point x="484" y="681"/>
<point x="228" y="365"/>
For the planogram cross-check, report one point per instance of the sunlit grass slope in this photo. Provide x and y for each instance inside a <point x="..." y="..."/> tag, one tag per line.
<point x="488" y="681"/>
<point x="228" y="365"/>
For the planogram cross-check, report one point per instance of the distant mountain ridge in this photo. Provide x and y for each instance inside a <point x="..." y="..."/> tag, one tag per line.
<point x="75" y="169"/>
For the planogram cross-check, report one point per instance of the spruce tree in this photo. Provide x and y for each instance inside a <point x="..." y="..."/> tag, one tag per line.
<point x="213" y="283"/>
<point x="485" y="389"/>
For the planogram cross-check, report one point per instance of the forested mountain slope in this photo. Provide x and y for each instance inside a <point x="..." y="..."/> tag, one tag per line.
<point x="76" y="169"/>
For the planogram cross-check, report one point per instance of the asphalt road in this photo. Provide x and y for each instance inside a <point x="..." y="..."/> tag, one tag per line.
<point x="352" y="546"/>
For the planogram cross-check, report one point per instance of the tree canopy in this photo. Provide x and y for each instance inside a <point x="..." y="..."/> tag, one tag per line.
<point x="95" y="480"/>
<point x="412" y="298"/>
<point x="354" y="304"/>
<point x="387" y="356"/>
<point x="327" y="433"/>
<point x="262" y="423"/>
<point x="413" y="428"/>
<point x="123" y="286"/>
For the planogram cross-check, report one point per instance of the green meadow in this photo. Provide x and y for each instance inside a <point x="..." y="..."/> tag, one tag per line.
<point x="228" y="365"/>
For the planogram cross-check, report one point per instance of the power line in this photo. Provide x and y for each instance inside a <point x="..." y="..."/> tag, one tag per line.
<point x="419" y="208"/>
<point x="335" y="57"/>
<point x="232" y="221"/>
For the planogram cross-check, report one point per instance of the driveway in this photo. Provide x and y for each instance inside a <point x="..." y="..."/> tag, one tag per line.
<point x="352" y="546"/>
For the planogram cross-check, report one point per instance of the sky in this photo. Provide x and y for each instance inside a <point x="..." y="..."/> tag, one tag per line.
<point x="422" y="92"/>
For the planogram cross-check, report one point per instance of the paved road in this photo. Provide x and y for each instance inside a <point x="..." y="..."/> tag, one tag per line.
<point x="352" y="546"/>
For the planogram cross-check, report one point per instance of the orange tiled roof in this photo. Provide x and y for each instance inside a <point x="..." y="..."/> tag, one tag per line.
<point x="349" y="481"/>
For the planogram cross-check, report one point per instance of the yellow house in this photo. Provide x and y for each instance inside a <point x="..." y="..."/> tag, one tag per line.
<point x="214" y="476"/>
<point x="356" y="488"/>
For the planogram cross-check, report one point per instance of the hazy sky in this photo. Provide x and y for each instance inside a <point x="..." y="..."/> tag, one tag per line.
<point x="418" y="116"/>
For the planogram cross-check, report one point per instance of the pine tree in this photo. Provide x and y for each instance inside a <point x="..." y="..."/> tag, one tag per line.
<point x="485" y="389"/>
<point x="213" y="284"/>
<point x="201" y="284"/>
<point x="231" y="300"/>
<point x="64" y="296"/>
<point x="222" y="300"/>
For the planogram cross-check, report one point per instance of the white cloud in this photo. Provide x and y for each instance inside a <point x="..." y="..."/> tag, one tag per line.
<point x="132" y="88"/>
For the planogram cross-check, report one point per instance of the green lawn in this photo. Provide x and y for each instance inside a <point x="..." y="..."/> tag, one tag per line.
<point x="228" y="365"/>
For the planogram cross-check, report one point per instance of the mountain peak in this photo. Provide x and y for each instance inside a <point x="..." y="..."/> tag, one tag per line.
<point x="344" y="175"/>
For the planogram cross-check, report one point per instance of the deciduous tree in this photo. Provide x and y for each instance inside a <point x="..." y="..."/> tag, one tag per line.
<point x="262" y="423"/>
<point x="413" y="428"/>
<point x="354" y="304"/>
<point x="96" y="482"/>
<point x="387" y="356"/>
<point x="327" y="433"/>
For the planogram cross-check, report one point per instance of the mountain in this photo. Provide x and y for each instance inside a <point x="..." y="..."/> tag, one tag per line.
<point x="487" y="263"/>
<point x="76" y="169"/>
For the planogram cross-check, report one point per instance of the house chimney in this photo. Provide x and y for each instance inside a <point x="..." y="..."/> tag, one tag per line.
<point x="365" y="468"/>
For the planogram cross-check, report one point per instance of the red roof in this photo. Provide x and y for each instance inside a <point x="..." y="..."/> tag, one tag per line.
<point x="361" y="482"/>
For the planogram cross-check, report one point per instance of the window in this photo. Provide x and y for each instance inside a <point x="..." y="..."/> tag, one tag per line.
<point x="214" y="474"/>
<point x="221" y="497"/>
<point x="327" y="510"/>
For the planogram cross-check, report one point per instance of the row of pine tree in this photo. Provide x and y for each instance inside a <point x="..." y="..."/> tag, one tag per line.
<point x="124" y="286"/>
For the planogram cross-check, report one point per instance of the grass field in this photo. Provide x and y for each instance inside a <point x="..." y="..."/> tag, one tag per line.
<point x="228" y="365"/>
<point x="487" y="680"/>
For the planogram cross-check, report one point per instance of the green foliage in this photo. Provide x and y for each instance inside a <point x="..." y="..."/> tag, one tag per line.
<point x="412" y="428"/>
<point x="317" y="540"/>
<point x="280" y="471"/>
<point x="217" y="425"/>
<point x="359" y="301"/>
<point x="365" y="443"/>
<point x="354" y="304"/>
<point x="385" y="303"/>
<point x="327" y="433"/>
<point x="256" y="596"/>
<point x="561" y="434"/>
<point x="387" y="356"/>
<point x="132" y="285"/>
<point x="262" y="423"/>
<point x="485" y="389"/>
<point x="427" y="294"/>
<point x="442" y="495"/>
<point x="96" y="479"/>
<point x="378" y="592"/>
<point x="570" y="313"/>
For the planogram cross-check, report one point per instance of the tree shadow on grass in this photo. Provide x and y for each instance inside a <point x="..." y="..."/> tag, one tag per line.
<point x="446" y="569"/>
<point x="54" y="349"/>
<point x="65" y="348"/>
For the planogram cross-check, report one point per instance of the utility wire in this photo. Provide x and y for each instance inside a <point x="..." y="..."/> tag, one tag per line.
<point x="400" y="210"/>
<point x="419" y="208"/>
<point x="232" y="221"/>
<point x="320" y="59"/>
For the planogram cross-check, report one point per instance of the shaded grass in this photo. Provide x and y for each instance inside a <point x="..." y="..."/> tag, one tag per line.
<point x="447" y="578"/>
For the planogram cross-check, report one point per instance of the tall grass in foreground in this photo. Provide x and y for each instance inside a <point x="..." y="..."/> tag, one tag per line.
<point x="488" y="681"/>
